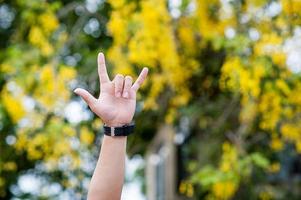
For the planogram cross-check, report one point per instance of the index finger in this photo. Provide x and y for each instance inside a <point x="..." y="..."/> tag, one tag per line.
<point x="102" y="69"/>
<point x="140" y="79"/>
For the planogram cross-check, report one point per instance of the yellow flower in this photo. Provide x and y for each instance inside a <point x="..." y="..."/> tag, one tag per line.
<point x="33" y="153"/>
<point x="225" y="166"/>
<point x="36" y="36"/>
<point x="67" y="73"/>
<point x="182" y="187"/>
<point x="265" y="195"/>
<point x="61" y="147"/>
<point x="186" y="188"/>
<point x="39" y="39"/>
<point x="86" y="136"/>
<point x="226" y="147"/>
<point x="21" y="142"/>
<point x="270" y="108"/>
<point x="276" y="144"/>
<point x="294" y="97"/>
<point x="67" y="130"/>
<point x="76" y="161"/>
<point x="283" y="86"/>
<point x="211" y="24"/>
<point x="117" y="27"/>
<point x="291" y="132"/>
<point x="97" y="123"/>
<point x="7" y="68"/>
<point x="190" y="190"/>
<point x="231" y="73"/>
<point x="229" y="157"/>
<point x="171" y="115"/>
<point x="275" y="167"/>
<point x="9" y="166"/>
<point x="186" y="36"/>
<point x="291" y="6"/>
<point x="49" y="22"/>
<point x="224" y="190"/>
<point x="46" y="48"/>
<point x="279" y="58"/>
<point x="117" y="3"/>
<point x="13" y="106"/>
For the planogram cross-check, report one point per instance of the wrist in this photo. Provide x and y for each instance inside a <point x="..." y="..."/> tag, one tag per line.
<point x="119" y="129"/>
<point x="116" y="124"/>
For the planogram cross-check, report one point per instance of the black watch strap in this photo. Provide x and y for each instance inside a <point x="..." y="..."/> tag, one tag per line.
<point x="124" y="130"/>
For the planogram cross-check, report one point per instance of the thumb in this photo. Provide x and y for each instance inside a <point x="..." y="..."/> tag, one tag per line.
<point x="88" y="98"/>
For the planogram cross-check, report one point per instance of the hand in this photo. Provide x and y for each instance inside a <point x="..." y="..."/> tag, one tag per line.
<point x="117" y="100"/>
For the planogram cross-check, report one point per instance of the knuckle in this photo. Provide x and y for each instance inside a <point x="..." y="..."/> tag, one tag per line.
<point x="118" y="87"/>
<point x="93" y="105"/>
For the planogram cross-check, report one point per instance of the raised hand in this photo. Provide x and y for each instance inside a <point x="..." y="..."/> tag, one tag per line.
<point x="117" y="100"/>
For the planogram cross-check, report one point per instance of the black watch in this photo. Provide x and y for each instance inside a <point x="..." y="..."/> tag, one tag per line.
<point x="124" y="130"/>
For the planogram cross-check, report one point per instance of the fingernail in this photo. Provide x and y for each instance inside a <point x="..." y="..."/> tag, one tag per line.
<point x="75" y="91"/>
<point x="126" y="95"/>
<point x="100" y="55"/>
<point x="118" y="94"/>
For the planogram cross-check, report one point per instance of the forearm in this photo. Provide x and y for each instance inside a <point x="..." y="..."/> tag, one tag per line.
<point x="108" y="177"/>
<point x="116" y="107"/>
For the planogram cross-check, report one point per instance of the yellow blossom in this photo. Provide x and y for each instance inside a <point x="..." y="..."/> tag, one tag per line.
<point x="186" y="188"/>
<point x="67" y="73"/>
<point x="61" y="147"/>
<point x="10" y="166"/>
<point x="224" y="189"/>
<point x="283" y="86"/>
<point x="211" y="24"/>
<point x="230" y="73"/>
<point x="67" y="130"/>
<point x="48" y="21"/>
<point x="117" y="3"/>
<point x="291" y="6"/>
<point x="97" y="123"/>
<point x="270" y="108"/>
<point x="274" y="167"/>
<point x="265" y="195"/>
<point x="36" y="36"/>
<point x="86" y="136"/>
<point x="171" y="115"/>
<point x="7" y="68"/>
<point x="276" y="144"/>
<point x="13" y="105"/>
<point x="290" y="132"/>
<point x="46" y="48"/>
<point x="229" y="157"/>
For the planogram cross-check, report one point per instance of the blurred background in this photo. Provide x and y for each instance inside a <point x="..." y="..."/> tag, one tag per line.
<point x="218" y="118"/>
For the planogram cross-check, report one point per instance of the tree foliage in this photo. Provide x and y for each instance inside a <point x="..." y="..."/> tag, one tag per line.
<point x="225" y="74"/>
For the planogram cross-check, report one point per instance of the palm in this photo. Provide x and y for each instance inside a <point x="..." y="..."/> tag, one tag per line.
<point x="117" y="100"/>
<point x="113" y="109"/>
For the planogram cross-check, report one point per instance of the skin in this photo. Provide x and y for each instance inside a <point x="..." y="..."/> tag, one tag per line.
<point x="116" y="106"/>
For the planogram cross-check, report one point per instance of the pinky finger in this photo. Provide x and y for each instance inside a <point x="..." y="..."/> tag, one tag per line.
<point x="140" y="79"/>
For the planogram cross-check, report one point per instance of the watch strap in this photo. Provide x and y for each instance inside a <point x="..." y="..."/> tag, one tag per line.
<point x="124" y="130"/>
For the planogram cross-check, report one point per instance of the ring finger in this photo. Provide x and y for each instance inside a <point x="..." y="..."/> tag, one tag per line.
<point x="127" y="87"/>
<point x="118" y="83"/>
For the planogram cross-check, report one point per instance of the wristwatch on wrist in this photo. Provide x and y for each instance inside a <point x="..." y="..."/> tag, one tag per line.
<point x="124" y="130"/>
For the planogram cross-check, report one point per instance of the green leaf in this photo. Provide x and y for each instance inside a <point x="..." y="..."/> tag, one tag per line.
<point x="259" y="160"/>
